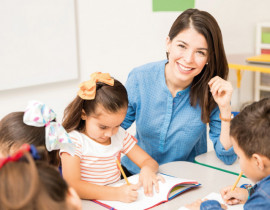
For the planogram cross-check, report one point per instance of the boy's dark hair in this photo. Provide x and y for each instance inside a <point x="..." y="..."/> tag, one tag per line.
<point x="112" y="98"/>
<point x="251" y="128"/>
<point x="14" y="133"/>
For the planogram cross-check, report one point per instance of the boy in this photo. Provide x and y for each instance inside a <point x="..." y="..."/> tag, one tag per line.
<point x="250" y="136"/>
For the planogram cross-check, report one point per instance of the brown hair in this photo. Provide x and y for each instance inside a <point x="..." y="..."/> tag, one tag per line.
<point x="26" y="185"/>
<point x="14" y="133"/>
<point x="112" y="98"/>
<point x="251" y="128"/>
<point x="205" y="24"/>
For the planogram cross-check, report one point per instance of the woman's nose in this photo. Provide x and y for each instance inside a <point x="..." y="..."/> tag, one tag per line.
<point x="189" y="56"/>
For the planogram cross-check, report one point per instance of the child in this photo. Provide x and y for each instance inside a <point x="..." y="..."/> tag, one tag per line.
<point x="37" y="126"/>
<point x="93" y="119"/>
<point x="250" y="135"/>
<point x="25" y="184"/>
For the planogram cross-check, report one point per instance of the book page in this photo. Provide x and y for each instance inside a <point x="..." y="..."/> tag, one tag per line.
<point x="143" y="201"/>
<point x="217" y="197"/>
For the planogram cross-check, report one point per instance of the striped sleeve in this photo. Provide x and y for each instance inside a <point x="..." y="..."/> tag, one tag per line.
<point x="78" y="143"/>
<point x="77" y="140"/>
<point x="128" y="142"/>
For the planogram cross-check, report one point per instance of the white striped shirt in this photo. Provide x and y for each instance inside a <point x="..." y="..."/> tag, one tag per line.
<point x="98" y="164"/>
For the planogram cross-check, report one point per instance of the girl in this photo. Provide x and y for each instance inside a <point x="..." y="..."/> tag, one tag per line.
<point x="38" y="186"/>
<point x="93" y="119"/>
<point x="37" y="126"/>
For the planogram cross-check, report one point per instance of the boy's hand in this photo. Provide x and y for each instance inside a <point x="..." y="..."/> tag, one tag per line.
<point x="128" y="193"/>
<point x="147" y="179"/>
<point x="238" y="195"/>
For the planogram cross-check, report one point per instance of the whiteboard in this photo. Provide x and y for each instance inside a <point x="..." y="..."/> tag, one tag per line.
<point x="37" y="42"/>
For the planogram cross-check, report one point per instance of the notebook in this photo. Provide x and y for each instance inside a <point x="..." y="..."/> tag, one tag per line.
<point x="263" y="59"/>
<point x="167" y="191"/>
<point x="217" y="197"/>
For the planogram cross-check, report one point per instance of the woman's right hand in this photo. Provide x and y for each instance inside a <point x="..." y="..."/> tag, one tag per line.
<point x="128" y="193"/>
<point x="238" y="195"/>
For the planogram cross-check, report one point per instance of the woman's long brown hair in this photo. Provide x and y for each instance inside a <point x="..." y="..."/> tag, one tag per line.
<point x="205" y="24"/>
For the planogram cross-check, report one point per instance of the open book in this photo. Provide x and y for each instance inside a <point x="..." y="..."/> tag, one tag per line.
<point x="172" y="187"/>
<point x="217" y="197"/>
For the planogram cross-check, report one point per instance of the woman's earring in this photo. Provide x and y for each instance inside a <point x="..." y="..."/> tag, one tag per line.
<point x="206" y="63"/>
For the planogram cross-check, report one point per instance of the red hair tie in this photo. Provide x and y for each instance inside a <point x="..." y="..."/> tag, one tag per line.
<point x="16" y="156"/>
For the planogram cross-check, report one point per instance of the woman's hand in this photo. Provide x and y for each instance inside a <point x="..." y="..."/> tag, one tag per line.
<point x="147" y="179"/>
<point x="221" y="91"/>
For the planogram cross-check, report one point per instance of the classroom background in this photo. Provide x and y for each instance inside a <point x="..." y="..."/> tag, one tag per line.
<point x="116" y="36"/>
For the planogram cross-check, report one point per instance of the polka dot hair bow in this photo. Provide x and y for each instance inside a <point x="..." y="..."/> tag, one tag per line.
<point x="39" y="114"/>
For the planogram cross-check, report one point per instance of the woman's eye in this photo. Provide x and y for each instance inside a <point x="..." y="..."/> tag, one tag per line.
<point x="182" y="46"/>
<point x="103" y="127"/>
<point x="201" y="53"/>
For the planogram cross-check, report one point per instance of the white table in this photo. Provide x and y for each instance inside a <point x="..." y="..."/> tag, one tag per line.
<point x="211" y="160"/>
<point x="212" y="180"/>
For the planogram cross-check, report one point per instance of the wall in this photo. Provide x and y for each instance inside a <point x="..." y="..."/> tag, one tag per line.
<point x="115" y="36"/>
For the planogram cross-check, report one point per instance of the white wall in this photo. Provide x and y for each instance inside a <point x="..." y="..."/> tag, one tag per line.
<point x="115" y="36"/>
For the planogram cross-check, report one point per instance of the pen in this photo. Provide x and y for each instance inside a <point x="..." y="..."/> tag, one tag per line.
<point x="237" y="180"/>
<point x="122" y="171"/>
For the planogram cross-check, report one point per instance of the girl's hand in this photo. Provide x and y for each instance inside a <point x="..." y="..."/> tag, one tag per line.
<point x="147" y="179"/>
<point x="238" y="195"/>
<point x="221" y="91"/>
<point x="128" y="193"/>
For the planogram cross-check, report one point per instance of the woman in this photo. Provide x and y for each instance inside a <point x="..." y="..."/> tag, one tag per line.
<point x="173" y="100"/>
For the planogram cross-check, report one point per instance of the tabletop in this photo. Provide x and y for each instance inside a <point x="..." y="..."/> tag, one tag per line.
<point x="238" y="62"/>
<point x="210" y="159"/>
<point x="211" y="180"/>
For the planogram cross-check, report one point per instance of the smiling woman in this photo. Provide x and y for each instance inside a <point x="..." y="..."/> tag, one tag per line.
<point x="173" y="100"/>
<point x="187" y="58"/>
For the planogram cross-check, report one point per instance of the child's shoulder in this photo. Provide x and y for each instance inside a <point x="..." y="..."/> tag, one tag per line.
<point x="123" y="136"/>
<point x="77" y="137"/>
<point x="75" y="134"/>
<point x="121" y="133"/>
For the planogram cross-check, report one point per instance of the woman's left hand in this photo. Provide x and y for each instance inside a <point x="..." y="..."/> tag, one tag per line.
<point x="147" y="179"/>
<point x="221" y="91"/>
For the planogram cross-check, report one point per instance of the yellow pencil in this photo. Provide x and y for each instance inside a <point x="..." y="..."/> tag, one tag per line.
<point x="237" y="180"/>
<point x="122" y="171"/>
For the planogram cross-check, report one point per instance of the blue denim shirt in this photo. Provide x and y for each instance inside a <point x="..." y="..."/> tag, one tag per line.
<point x="168" y="128"/>
<point x="258" y="200"/>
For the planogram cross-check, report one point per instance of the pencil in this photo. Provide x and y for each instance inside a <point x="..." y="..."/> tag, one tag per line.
<point x="122" y="171"/>
<point x="237" y="180"/>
